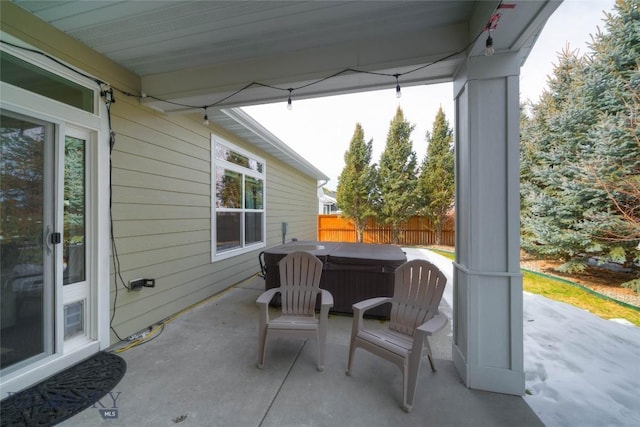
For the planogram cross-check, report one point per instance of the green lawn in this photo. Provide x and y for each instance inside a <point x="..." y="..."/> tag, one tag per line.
<point x="560" y="290"/>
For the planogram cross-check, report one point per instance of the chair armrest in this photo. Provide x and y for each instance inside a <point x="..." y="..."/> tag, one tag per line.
<point x="370" y="303"/>
<point x="267" y="296"/>
<point x="433" y="325"/>
<point x="326" y="299"/>
<point x="358" y="312"/>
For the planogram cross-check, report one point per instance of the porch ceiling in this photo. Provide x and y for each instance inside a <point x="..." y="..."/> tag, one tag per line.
<point x="197" y="53"/>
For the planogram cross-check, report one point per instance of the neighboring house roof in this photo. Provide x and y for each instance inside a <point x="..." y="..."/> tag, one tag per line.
<point x="331" y="193"/>
<point x="326" y="199"/>
<point x="246" y="127"/>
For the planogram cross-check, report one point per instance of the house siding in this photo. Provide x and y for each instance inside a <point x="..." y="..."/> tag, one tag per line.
<point x="293" y="204"/>
<point x="161" y="195"/>
<point x="162" y="215"/>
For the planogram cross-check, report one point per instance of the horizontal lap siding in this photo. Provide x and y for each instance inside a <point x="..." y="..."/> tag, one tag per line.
<point x="162" y="214"/>
<point x="291" y="198"/>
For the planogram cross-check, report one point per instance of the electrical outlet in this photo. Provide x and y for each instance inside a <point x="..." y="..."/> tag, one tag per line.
<point x="136" y="284"/>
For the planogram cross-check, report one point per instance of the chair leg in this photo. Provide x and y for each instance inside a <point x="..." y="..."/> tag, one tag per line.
<point x="405" y="386"/>
<point x="352" y="351"/>
<point x="410" y="383"/>
<point x="262" y="346"/>
<point x="352" y="344"/>
<point x="321" y="342"/>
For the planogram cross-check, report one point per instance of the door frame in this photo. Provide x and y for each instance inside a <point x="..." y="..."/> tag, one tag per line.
<point x="97" y="188"/>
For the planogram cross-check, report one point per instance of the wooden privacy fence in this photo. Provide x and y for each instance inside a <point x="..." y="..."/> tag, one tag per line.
<point x="419" y="230"/>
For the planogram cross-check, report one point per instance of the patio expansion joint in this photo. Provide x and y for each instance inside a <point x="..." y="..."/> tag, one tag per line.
<point x="275" y="396"/>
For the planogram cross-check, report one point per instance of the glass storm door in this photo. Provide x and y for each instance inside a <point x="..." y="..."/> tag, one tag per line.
<point x="27" y="240"/>
<point x="45" y="300"/>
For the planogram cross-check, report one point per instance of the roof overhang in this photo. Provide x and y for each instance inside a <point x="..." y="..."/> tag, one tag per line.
<point x="189" y="55"/>
<point x="192" y="54"/>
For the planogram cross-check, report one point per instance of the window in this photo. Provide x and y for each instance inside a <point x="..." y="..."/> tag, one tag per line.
<point x="33" y="78"/>
<point x="74" y="210"/>
<point x="237" y="192"/>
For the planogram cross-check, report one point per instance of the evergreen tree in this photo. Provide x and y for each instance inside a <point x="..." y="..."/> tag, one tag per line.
<point x="621" y="179"/>
<point x="551" y="141"/>
<point x="397" y="176"/>
<point x="580" y="154"/>
<point x="436" y="185"/>
<point x="612" y="160"/>
<point x="356" y="183"/>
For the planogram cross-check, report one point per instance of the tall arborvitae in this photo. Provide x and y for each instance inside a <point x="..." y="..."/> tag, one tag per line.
<point x="397" y="176"/>
<point x="436" y="185"/>
<point x="356" y="183"/>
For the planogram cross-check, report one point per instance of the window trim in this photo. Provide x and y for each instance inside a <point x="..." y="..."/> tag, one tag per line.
<point x="28" y="54"/>
<point x="219" y="163"/>
<point x="54" y="83"/>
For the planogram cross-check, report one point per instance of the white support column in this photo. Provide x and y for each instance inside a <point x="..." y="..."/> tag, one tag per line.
<point x="487" y="338"/>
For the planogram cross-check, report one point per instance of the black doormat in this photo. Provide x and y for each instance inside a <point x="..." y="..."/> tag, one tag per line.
<point x="64" y="394"/>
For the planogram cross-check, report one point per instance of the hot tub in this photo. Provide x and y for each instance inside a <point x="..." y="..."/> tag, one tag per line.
<point x="352" y="272"/>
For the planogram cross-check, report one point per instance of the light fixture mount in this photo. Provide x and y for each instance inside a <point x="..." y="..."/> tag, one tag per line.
<point x="205" y="121"/>
<point x="289" y="105"/>
<point x="488" y="51"/>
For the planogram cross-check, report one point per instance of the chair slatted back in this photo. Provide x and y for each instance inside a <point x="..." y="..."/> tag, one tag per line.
<point x="300" y="274"/>
<point x="418" y="289"/>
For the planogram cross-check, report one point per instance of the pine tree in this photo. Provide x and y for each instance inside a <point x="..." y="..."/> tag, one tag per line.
<point x="612" y="160"/>
<point x="436" y="185"/>
<point x="551" y="143"/>
<point x="580" y="154"/>
<point x="397" y="176"/>
<point x="615" y="168"/>
<point x="356" y="183"/>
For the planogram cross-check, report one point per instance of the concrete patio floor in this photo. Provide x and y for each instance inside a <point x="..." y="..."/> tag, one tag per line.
<point x="201" y="371"/>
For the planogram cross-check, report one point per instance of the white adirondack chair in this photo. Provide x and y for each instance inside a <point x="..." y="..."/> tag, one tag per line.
<point x="300" y="274"/>
<point x="414" y="316"/>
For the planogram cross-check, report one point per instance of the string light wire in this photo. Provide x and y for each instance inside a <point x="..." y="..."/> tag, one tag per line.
<point x="491" y="25"/>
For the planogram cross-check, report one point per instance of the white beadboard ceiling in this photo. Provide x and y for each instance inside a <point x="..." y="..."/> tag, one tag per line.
<point x="197" y="53"/>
